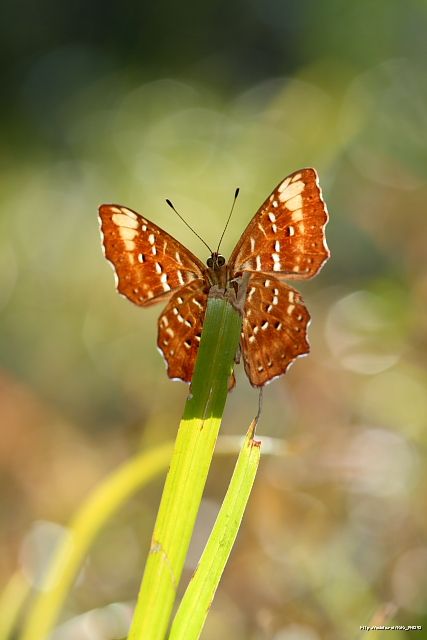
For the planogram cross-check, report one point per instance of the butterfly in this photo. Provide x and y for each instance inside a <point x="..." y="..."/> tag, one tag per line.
<point x="284" y="240"/>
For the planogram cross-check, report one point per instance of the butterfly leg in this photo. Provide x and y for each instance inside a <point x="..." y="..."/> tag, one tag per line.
<point x="257" y="417"/>
<point x="238" y="355"/>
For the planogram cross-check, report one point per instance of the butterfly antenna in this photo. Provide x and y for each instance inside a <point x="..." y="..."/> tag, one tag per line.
<point x="236" y="193"/>
<point x="189" y="226"/>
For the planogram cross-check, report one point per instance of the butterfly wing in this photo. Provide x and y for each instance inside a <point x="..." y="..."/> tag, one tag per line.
<point x="274" y="330"/>
<point x="148" y="262"/>
<point x="180" y="327"/>
<point x="286" y="236"/>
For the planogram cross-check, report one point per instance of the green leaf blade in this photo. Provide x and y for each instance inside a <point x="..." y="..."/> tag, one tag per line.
<point x="194" y="607"/>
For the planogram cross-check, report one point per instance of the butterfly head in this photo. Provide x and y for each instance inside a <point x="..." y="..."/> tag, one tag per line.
<point x="215" y="261"/>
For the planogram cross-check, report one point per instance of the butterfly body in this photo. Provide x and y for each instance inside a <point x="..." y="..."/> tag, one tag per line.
<point x="217" y="272"/>
<point x="285" y="239"/>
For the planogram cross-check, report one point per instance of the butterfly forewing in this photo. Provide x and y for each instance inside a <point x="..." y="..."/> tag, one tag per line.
<point x="148" y="262"/>
<point x="286" y="236"/>
<point x="274" y="329"/>
<point x="180" y="328"/>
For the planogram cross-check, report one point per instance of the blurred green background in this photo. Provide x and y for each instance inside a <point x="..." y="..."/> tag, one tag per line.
<point x="135" y="102"/>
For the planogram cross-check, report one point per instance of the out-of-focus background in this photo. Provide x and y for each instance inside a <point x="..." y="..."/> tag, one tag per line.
<point x="135" y="102"/>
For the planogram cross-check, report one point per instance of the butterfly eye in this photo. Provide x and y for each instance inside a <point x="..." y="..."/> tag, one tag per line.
<point x="220" y="261"/>
<point x="209" y="263"/>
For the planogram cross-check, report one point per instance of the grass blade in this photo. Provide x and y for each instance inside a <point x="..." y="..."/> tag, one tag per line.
<point x="89" y="520"/>
<point x="194" y="607"/>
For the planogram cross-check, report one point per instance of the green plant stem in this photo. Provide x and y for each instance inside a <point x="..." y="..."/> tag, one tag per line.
<point x="188" y="471"/>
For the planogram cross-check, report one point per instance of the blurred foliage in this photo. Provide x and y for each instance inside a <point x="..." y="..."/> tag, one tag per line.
<point x="132" y="103"/>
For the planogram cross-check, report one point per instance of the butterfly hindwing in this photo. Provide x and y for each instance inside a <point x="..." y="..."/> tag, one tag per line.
<point x="274" y="330"/>
<point x="180" y="328"/>
<point x="148" y="262"/>
<point x="286" y="235"/>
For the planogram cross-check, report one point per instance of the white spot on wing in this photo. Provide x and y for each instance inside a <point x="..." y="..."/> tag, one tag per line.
<point x="163" y="280"/>
<point x="126" y="233"/>
<point x="276" y="260"/>
<point x="272" y="217"/>
<point x="151" y="238"/>
<point x="294" y="203"/>
<point x="251" y="293"/>
<point x="284" y="185"/>
<point x="129" y="213"/>
<point x="297" y="215"/>
<point x="122" y="220"/>
<point x="291" y="190"/>
<point x="258" y="263"/>
<point x="179" y="276"/>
